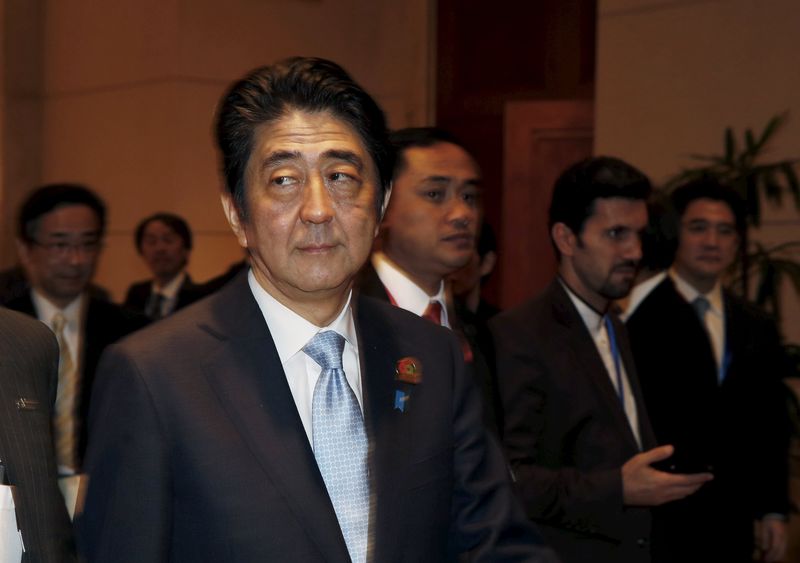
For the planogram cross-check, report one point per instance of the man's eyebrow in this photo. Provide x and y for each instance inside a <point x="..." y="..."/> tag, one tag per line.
<point x="439" y="179"/>
<point x="442" y="179"/>
<point x="61" y="235"/>
<point x="347" y="156"/>
<point x="279" y="157"/>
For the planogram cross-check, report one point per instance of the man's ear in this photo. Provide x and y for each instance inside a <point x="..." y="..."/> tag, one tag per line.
<point x="488" y="263"/>
<point x="564" y="239"/>
<point x="234" y="218"/>
<point x="384" y="205"/>
<point x="24" y="253"/>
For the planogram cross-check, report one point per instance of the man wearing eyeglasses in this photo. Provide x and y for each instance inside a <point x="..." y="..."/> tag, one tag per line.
<point x="710" y="367"/>
<point x="60" y="235"/>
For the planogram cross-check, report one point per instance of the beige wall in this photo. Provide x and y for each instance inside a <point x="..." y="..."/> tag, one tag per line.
<point x="129" y="91"/>
<point x="20" y="110"/>
<point x="672" y="75"/>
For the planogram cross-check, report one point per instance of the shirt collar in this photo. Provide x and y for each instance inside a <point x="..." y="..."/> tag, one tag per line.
<point x="46" y="310"/>
<point x="689" y="293"/>
<point x="591" y="318"/>
<point x="290" y="331"/>
<point x="171" y="289"/>
<point x="406" y="294"/>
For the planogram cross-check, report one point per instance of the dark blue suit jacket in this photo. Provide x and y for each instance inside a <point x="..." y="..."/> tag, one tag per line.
<point x="197" y="452"/>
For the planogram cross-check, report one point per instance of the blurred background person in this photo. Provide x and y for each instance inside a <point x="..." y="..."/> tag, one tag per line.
<point x="711" y="368"/>
<point x="164" y="241"/>
<point x="60" y="237"/>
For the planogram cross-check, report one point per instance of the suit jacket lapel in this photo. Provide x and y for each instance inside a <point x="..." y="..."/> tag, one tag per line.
<point x="380" y="352"/>
<point x="586" y="358"/>
<point x="646" y="433"/>
<point x="368" y="283"/>
<point x="247" y="376"/>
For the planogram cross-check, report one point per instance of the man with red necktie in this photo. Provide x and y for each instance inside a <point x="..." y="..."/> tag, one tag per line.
<point x="428" y="232"/>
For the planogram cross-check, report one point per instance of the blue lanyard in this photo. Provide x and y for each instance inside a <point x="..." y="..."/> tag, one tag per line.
<point x="726" y="359"/>
<point x="612" y="340"/>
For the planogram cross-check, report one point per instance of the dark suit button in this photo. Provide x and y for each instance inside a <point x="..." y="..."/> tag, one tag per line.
<point x="642" y="542"/>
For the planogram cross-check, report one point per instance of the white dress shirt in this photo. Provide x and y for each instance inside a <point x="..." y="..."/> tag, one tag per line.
<point x="597" y="328"/>
<point x="714" y="318"/>
<point x="406" y="294"/>
<point x="291" y="333"/>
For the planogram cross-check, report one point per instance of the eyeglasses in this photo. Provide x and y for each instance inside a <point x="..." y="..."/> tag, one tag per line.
<point x="702" y="227"/>
<point x="62" y="249"/>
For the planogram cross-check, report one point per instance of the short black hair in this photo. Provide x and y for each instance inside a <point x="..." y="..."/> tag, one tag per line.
<point x="50" y="197"/>
<point x="660" y="238"/>
<point x="174" y="222"/>
<point x="410" y="137"/>
<point x="308" y="84"/>
<point x="599" y="177"/>
<point x="487" y="241"/>
<point x="710" y="187"/>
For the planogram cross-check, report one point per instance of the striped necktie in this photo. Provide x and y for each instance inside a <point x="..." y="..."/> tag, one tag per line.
<point x="65" y="419"/>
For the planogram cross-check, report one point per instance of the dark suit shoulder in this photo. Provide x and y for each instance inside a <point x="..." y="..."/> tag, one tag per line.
<point x="368" y="283"/>
<point x="377" y="314"/>
<point x="31" y="348"/>
<point x="20" y="326"/>
<point x="535" y="316"/>
<point x="137" y="294"/>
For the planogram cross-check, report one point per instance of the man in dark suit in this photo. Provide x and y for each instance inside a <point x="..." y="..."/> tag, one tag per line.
<point x="60" y="233"/>
<point x="285" y="418"/>
<point x="711" y="368"/>
<point x="164" y="241"/>
<point x="28" y="377"/>
<point x="429" y="231"/>
<point x="576" y="431"/>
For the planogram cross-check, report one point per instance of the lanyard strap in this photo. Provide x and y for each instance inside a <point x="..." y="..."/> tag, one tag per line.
<point x="612" y="341"/>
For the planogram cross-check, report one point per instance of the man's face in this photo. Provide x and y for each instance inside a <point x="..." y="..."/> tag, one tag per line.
<point x="707" y="242"/>
<point x="433" y="215"/>
<point x="310" y="189"/>
<point x="605" y="255"/>
<point x="163" y="250"/>
<point x="62" y="259"/>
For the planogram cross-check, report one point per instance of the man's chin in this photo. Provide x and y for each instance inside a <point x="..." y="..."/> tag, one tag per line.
<point x="617" y="290"/>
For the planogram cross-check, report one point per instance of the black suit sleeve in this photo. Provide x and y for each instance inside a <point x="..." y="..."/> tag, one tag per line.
<point x="771" y="425"/>
<point x="537" y="440"/>
<point x="126" y="462"/>
<point x="488" y="522"/>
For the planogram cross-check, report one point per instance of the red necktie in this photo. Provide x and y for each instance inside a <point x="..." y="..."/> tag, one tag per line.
<point x="433" y="312"/>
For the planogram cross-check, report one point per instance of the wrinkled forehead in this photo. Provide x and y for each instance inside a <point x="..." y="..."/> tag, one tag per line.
<point x="67" y="218"/>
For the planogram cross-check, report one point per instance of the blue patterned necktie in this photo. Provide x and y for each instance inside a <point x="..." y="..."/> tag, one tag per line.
<point x="340" y="442"/>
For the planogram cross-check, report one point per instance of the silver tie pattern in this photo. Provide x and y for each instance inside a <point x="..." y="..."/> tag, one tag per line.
<point x="340" y="442"/>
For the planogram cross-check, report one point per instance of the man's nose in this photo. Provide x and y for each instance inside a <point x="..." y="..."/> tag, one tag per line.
<point x="78" y="254"/>
<point x="317" y="204"/>
<point x="461" y="212"/>
<point x="711" y="237"/>
<point x="633" y="251"/>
